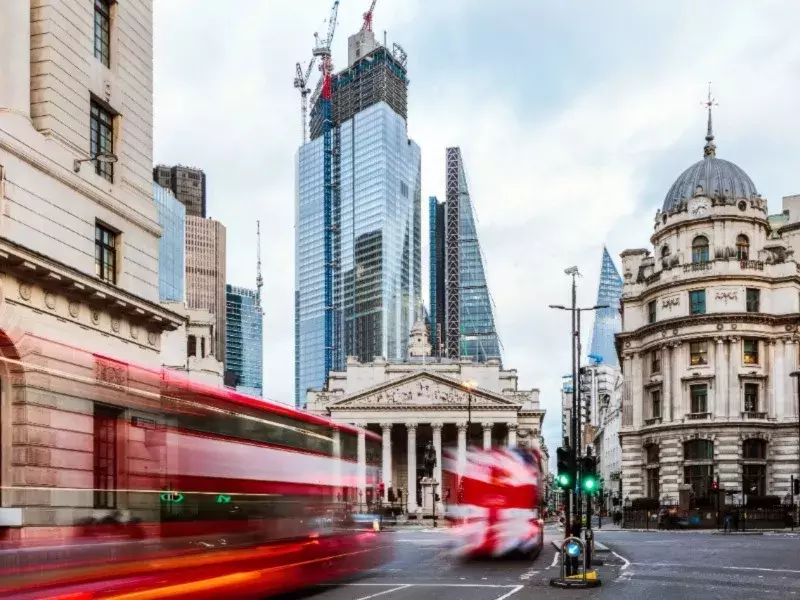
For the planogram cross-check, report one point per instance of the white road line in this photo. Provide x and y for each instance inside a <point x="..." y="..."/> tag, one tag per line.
<point x="528" y="574"/>
<point x="709" y="567"/>
<point x="454" y="585"/>
<point x="623" y="559"/>
<point x="394" y="589"/>
<point x="511" y="593"/>
<point x="555" y="560"/>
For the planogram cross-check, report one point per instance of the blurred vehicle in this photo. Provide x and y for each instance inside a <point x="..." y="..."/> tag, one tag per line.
<point x="497" y="508"/>
<point x="199" y="492"/>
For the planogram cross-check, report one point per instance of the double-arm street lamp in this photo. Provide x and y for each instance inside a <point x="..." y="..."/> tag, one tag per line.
<point x="576" y="354"/>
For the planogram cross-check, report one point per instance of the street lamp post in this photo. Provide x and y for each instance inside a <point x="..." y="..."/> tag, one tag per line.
<point x="576" y="350"/>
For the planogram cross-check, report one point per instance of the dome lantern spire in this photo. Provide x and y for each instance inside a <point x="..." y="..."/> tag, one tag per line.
<point x="710" y="149"/>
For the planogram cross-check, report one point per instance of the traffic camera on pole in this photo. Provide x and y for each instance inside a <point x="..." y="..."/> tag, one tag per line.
<point x="566" y="469"/>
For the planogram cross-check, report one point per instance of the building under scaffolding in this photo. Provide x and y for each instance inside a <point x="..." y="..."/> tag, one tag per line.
<point x="361" y="173"/>
<point x="462" y="318"/>
<point x="380" y="76"/>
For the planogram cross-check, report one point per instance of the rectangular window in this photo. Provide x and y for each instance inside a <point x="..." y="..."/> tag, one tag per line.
<point x="651" y="312"/>
<point x="751" y="397"/>
<point x="105" y="254"/>
<point x="653" y="475"/>
<point x="753" y="300"/>
<point x="101" y="140"/>
<point x="751" y="352"/>
<point x="105" y="456"/>
<point x="697" y="302"/>
<point x="699" y="394"/>
<point x="655" y="398"/>
<point x="102" y="31"/>
<point x="655" y="362"/>
<point x="191" y="346"/>
<point x="698" y="353"/>
<point x="700" y="478"/>
<point x="754" y="480"/>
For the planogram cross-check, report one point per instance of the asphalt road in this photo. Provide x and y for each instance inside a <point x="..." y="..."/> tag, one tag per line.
<point x="423" y="569"/>
<point x="666" y="566"/>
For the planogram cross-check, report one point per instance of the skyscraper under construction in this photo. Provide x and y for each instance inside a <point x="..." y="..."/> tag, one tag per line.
<point x="358" y="229"/>
<point x="461" y="311"/>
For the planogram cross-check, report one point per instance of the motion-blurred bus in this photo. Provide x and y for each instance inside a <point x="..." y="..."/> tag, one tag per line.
<point x="184" y="490"/>
<point x="497" y="506"/>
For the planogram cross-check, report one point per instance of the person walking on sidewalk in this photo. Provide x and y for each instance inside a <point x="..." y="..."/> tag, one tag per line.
<point x="727" y="520"/>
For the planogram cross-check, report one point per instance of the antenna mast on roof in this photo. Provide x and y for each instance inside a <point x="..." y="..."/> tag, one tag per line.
<point x="259" y="278"/>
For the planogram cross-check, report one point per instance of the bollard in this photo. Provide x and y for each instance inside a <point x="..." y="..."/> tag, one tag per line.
<point x="572" y="548"/>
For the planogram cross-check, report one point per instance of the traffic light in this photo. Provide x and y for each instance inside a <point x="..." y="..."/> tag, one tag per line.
<point x="796" y="487"/>
<point x="590" y="483"/>
<point x="566" y="471"/>
<point x="715" y="485"/>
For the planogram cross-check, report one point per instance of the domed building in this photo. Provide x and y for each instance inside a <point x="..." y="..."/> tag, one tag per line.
<point x="709" y="341"/>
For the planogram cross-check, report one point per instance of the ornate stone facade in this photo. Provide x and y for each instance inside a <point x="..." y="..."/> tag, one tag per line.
<point x="451" y="403"/>
<point x="709" y="342"/>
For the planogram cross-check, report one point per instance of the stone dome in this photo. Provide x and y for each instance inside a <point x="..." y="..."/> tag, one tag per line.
<point x="716" y="177"/>
<point x="711" y="176"/>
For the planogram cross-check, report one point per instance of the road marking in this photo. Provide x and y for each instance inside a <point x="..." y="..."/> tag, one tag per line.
<point x="511" y="593"/>
<point x="394" y="589"/>
<point x="696" y="567"/>
<point x="528" y="574"/>
<point x="623" y="559"/>
<point x="454" y="585"/>
<point x="555" y="560"/>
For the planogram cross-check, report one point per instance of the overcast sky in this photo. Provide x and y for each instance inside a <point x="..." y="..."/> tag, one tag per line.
<point x="574" y="118"/>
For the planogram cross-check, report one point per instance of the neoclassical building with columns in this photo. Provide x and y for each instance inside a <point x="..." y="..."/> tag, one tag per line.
<point x="709" y="342"/>
<point x="453" y="403"/>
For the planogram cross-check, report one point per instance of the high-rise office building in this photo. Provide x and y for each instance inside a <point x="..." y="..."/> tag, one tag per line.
<point x="205" y="273"/>
<point x="462" y="319"/>
<point x="188" y="185"/>
<point x="244" y="348"/>
<point x="358" y="248"/>
<point x="607" y="321"/>
<point x="171" y="246"/>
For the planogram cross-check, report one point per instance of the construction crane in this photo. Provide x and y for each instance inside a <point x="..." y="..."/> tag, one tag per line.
<point x="367" y="26"/>
<point x="301" y="83"/>
<point x="259" y="277"/>
<point x="323" y="50"/>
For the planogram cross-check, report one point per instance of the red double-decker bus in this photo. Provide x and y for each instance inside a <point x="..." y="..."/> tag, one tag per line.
<point x="193" y="491"/>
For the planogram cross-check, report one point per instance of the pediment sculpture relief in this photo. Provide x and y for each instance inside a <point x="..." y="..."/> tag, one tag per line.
<point x="419" y="393"/>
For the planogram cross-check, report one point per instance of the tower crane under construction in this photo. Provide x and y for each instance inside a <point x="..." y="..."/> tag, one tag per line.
<point x="301" y="83"/>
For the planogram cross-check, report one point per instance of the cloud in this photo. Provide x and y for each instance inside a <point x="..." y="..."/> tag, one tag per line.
<point x="574" y="118"/>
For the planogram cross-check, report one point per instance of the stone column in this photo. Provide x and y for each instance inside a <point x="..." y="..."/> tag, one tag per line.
<point x="790" y="366"/>
<point x="487" y="435"/>
<point x="638" y="391"/>
<point x="15" y="57"/>
<point x="781" y="382"/>
<point x="733" y="401"/>
<point x="411" y="492"/>
<point x="337" y="465"/>
<point x="666" y="370"/>
<point x="512" y="435"/>
<point x="362" y="466"/>
<point x="387" y="459"/>
<point x="679" y="362"/>
<point x="462" y="447"/>
<point x="437" y="445"/>
<point x="772" y="379"/>
<point x="627" y="391"/>
<point x="719" y="379"/>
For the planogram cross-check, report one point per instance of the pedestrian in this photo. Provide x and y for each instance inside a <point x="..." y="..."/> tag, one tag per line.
<point x="727" y="521"/>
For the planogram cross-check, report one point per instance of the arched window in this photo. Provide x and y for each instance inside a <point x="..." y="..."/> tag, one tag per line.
<point x="700" y="249"/>
<point x="742" y="248"/>
<point x="665" y="252"/>
<point x="754" y="449"/>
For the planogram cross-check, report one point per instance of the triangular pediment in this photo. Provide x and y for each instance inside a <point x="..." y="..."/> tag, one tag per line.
<point x="423" y="389"/>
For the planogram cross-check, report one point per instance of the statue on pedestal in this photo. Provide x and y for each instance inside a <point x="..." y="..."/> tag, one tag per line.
<point x="429" y="460"/>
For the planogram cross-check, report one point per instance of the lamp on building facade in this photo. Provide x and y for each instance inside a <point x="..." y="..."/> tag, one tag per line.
<point x="103" y="157"/>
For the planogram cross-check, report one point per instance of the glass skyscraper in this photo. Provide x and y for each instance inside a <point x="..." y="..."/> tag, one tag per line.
<point x="376" y="204"/>
<point x="244" y="341"/>
<point x="462" y="318"/>
<point x="171" y="246"/>
<point x="607" y="321"/>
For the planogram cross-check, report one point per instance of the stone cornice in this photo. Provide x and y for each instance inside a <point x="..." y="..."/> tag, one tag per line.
<point x="30" y="266"/>
<point x="75" y="182"/>
<point x="692" y="281"/>
<point x="710" y="219"/>
<point x="790" y="321"/>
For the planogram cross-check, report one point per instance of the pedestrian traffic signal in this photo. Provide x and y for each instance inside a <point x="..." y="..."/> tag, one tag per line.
<point x="715" y="486"/>
<point x="566" y="470"/>
<point x="590" y="483"/>
<point x="796" y="487"/>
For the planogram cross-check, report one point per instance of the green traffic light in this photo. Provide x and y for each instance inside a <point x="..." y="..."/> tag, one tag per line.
<point x="563" y="480"/>
<point x="589" y="484"/>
